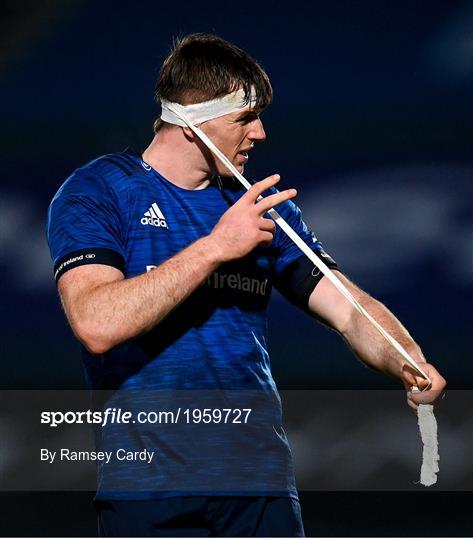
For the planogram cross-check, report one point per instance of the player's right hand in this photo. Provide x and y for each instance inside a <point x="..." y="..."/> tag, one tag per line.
<point x="243" y="227"/>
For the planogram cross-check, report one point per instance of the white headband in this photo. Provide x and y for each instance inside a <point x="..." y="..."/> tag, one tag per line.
<point x="207" y="110"/>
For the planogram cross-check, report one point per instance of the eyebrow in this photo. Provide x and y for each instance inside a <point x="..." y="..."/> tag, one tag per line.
<point x="247" y="114"/>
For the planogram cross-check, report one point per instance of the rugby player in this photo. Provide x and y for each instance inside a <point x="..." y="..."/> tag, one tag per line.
<point x="165" y="265"/>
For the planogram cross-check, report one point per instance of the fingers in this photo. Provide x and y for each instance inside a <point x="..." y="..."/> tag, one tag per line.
<point x="257" y="189"/>
<point x="266" y="238"/>
<point x="267" y="228"/>
<point x="429" y="393"/>
<point x="424" y="398"/>
<point x="269" y="202"/>
<point x="273" y="200"/>
<point x="267" y="225"/>
<point x="411" y="377"/>
<point x="411" y="404"/>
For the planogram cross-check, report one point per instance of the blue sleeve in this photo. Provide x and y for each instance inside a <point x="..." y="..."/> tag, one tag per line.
<point x="286" y="249"/>
<point x="84" y="225"/>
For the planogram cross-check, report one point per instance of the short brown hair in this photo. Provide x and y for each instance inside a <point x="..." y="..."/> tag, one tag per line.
<point x="202" y="67"/>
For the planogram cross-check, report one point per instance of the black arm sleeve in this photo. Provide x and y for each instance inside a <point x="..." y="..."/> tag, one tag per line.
<point x="88" y="256"/>
<point x="298" y="280"/>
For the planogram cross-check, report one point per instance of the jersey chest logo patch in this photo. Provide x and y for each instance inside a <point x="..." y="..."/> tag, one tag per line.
<point x="154" y="217"/>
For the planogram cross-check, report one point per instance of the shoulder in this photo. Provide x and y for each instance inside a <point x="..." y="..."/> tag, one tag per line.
<point x="118" y="167"/>
<point x="106" y="176"/>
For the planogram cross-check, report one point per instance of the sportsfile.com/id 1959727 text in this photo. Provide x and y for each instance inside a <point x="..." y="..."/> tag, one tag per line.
<point x="114" y="415"/>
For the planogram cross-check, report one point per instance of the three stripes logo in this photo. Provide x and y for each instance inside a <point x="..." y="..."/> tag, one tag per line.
<point x="154" y="217"/>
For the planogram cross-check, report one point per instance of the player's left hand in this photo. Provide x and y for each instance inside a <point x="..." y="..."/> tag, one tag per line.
<point x="429" y="392"/>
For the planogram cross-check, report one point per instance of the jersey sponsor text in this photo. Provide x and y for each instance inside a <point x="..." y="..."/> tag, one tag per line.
<point x="237" y="281"/>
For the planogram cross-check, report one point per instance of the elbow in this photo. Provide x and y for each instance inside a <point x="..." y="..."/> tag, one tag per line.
<point x="94" y="339"/>
<point x="96" y="347"/>
<point x="349" y="318"/>
<point x="345" y="323"/>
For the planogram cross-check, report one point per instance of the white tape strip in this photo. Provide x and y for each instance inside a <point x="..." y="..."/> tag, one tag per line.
<point x="430" y="453"/>
<point x="302" y="245"/>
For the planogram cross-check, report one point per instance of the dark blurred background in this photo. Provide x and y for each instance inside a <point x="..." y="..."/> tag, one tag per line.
<point x="371" y="121"/>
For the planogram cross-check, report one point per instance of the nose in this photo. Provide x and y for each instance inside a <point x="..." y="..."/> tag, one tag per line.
<point x="257" y="132"/>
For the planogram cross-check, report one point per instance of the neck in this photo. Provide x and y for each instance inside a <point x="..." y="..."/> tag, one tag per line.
<point x="177" y="159"/>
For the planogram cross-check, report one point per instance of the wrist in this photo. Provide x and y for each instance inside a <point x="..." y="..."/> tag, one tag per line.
<point x="212" y="250"/>
<point x="416" y="354"/>
<point x="409" y="375"/>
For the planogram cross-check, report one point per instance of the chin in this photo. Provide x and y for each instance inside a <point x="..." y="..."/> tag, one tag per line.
<point x="226" y="172"/>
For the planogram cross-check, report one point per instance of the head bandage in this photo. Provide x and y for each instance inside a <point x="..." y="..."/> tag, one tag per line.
<point x="207" y="110"/>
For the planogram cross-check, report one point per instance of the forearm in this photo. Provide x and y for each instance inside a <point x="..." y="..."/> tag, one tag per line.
<point x="371" y="347"/>
<point x="112" y="313"/>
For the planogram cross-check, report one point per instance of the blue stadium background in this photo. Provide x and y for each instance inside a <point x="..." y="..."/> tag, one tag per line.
<point x="371" y="121"/>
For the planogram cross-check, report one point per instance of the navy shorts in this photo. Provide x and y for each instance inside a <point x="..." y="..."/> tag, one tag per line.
<point x="201" y="516"/>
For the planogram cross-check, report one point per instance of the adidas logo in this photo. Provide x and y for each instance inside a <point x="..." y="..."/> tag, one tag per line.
<point x="154" y="217"/>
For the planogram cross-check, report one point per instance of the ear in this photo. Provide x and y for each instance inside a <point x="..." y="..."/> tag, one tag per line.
<point x="188" y="134"/>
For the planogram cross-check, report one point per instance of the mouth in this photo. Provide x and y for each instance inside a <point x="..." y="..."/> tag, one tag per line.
<point x="243" y="154"/>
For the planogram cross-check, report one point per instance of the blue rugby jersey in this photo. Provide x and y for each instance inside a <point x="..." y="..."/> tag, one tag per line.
<point x="118" y="210"/>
